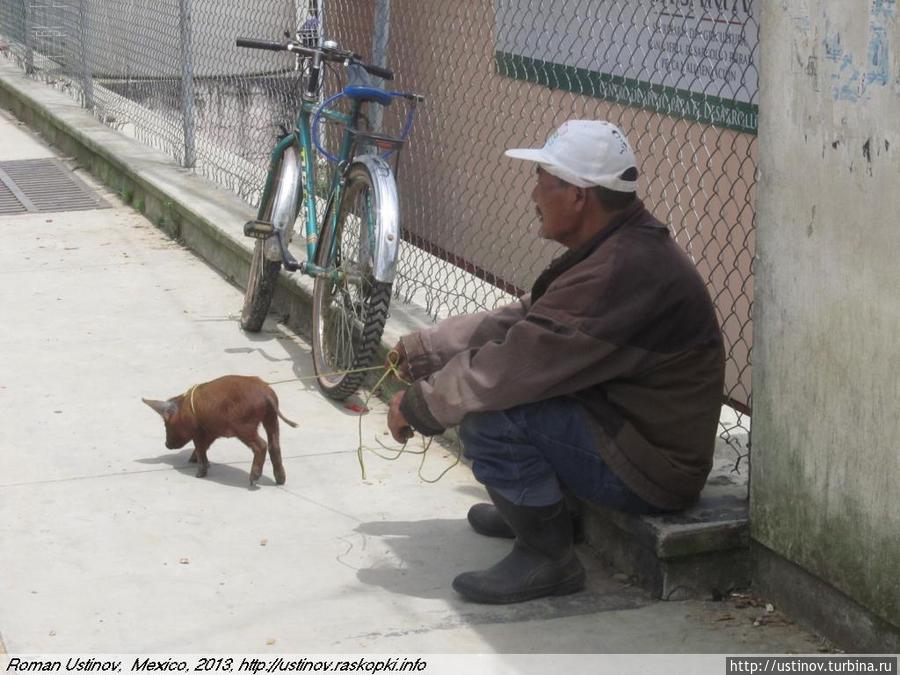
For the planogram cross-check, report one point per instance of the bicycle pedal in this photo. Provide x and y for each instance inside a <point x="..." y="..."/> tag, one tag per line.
<point x="258" y="229"/>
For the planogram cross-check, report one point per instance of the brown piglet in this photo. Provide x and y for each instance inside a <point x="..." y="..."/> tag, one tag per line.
<point x="227" y="407"/>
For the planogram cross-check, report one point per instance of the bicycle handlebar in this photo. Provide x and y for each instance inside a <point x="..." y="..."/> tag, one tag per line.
<point x="377" y="71"/>
<point x="261" y="44"/>
<point x="327" y="53"/>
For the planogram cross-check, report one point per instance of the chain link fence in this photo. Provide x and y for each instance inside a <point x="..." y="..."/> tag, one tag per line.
<point x="678" y="76"/>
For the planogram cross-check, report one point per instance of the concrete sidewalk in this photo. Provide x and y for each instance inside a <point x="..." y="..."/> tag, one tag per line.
<point x="110" y="544"/>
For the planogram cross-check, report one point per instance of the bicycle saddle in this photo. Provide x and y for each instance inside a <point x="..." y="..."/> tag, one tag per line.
<point x="369" y="94"/>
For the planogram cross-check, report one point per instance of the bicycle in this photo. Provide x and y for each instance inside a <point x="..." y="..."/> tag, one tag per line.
<point x="353" y="254"/>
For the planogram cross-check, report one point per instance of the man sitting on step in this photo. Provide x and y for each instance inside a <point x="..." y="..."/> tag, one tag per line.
<point x="605" y="380"/>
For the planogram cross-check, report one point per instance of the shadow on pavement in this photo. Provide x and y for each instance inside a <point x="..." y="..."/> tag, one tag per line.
<point x="223" y="474"/>
<point x="430" y="553"/>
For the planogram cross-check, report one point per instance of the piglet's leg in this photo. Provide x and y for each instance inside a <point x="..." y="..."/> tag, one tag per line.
<point x="258" y="446"/>
<point x="271" y="426"/>
<point x="202" y="462"/>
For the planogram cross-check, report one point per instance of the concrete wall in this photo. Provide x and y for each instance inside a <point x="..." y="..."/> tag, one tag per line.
<point x="826" y="358"/>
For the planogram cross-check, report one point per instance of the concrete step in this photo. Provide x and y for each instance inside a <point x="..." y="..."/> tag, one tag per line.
<point x="701" y="552"/>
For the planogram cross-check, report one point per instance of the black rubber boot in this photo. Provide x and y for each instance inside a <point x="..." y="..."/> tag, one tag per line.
<point x="542" y="562"/>
<point x="486" y="519"/>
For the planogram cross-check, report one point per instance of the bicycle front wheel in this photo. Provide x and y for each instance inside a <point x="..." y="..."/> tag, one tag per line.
<point x="260" y="289"/>
<point x="350" y="306"/>
<point x="280" y="208"/>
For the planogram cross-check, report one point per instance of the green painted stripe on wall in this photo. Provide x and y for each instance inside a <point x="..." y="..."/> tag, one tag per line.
<point x="689" y="105"/>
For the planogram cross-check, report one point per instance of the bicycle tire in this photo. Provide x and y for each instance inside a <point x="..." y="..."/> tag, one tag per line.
<point x="263" y="277"/>
<point x="348" y="314"/>
<point x="260" y="289"/>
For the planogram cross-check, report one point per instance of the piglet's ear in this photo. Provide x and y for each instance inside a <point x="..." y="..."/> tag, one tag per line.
<point x="164" y="408"/>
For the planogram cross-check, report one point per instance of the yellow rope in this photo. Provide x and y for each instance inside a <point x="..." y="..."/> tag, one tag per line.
<point x="391" y="369"/>
<point x="336" y="372"/>
<point x="191" y="393"/>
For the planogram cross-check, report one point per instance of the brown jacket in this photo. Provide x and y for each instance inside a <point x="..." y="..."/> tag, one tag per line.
<point x="625" y="325"/>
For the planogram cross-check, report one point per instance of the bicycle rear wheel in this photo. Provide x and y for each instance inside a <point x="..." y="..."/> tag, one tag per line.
<point x="350" y="307"/>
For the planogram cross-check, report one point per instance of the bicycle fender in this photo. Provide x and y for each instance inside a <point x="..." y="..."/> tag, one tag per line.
<point x="387" y="239"/>
<point x="287" y="191"/>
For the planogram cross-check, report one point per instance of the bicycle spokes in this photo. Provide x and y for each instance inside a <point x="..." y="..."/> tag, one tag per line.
<point x="344" y="321"/>
<point x="351" y="286"/>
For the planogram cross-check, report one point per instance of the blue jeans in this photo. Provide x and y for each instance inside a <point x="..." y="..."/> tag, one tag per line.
<point x="529" y="453"/>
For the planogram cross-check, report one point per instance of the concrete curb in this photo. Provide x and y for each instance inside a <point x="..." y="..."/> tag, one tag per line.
<point x="197" y="213"/>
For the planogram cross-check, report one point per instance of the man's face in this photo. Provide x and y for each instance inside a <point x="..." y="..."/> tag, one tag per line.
<point x="556" y="205"/>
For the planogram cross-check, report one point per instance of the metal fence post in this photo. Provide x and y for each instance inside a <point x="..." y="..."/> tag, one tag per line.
<point x="187" y="84"/>
<point x="87" y="80"/>
<point x="380" y="38"/>
<point x="29" y="37"/>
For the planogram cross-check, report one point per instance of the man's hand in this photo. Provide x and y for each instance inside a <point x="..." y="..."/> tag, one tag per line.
<point x="397" y="358"/>
<point x="399" y="427"/>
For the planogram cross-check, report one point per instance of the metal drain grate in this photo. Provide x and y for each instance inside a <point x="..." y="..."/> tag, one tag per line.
<point x="9" y="203"/>
<point x="43" y="186"/>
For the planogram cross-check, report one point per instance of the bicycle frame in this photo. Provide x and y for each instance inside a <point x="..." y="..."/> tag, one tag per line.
<point x="301" y="138"/>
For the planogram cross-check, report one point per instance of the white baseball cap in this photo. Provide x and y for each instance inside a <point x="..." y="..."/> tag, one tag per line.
<point x="585" y="153"/>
